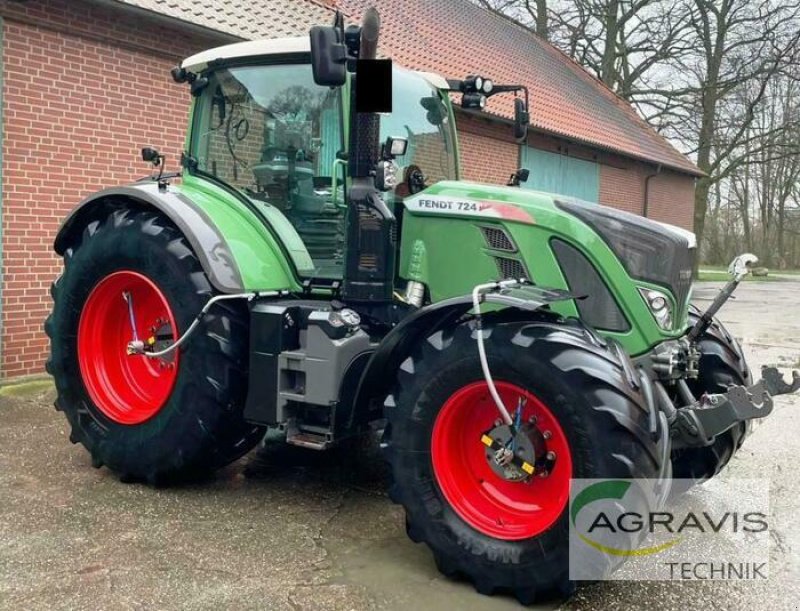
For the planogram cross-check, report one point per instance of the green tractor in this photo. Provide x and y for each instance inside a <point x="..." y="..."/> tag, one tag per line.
<point x="318" y="268"/>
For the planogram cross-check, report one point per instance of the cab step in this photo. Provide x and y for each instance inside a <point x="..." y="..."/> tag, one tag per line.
<point x="308" y="436"/>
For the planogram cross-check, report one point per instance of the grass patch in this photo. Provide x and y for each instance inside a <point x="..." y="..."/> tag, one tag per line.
<point x="714" y="268"/>
<point x="26" y="389"/>
<point x="708" y="275"/>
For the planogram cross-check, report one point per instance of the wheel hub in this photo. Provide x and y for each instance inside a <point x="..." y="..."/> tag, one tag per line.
<point x="516" y="455"/>
<point x="488" y="490"/>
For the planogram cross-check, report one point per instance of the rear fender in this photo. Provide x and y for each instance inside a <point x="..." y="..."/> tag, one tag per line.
<point x="205" y="237"/>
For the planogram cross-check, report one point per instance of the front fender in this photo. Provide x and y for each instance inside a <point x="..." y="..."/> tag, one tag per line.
<point x="378" y="376"/>
<point x="206" y="241"/>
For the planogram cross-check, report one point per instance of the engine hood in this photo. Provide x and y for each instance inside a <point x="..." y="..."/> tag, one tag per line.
<point x="512" y="204"/>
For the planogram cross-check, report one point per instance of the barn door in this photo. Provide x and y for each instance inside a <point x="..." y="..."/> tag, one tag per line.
<point x="561" y="174"/>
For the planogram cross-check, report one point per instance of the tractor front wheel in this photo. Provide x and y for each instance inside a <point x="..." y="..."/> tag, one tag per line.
<point x="151" y="419"/>
<point x="583" y="413"/>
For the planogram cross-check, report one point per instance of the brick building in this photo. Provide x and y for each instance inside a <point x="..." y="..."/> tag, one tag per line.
<point x="85" y="84"/>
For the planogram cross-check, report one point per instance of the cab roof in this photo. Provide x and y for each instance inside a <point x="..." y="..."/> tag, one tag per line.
<point x="273" y="46"/>
<point x="251" y="48"/>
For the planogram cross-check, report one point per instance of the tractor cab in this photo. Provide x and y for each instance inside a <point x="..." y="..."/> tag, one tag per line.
<point x="262" y="126"/>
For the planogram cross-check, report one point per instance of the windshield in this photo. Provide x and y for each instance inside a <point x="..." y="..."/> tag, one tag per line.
<point x="419" y="113"/>
<point x="262" y="126"/>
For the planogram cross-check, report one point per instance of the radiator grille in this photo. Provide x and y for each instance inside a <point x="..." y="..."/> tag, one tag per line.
<point x="498" y="239"/>
<point x="511" y="268"/>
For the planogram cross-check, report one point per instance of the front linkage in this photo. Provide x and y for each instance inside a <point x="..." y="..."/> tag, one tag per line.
<point x="700" y="423"/>
<point x="700" y="420"/>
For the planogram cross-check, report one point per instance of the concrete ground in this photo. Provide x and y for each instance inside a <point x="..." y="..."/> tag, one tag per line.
<point x="285" y="529"/>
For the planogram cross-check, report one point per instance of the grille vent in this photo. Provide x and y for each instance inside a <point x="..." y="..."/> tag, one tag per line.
<point x="598" y="308"/>
<point x="511" y="268"/>
<point x="368" y="263"/>
<point x="498" y="239"/>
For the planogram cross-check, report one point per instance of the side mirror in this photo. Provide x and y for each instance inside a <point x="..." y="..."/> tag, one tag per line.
<point x="433" y="105"/>
<point x="518" y="177"/>
<point x="151" y="155"/>
<point x="328" y="57"/>
<point x="522" y="119"/>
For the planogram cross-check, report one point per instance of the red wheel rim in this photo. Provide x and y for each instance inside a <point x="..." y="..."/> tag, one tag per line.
<point x="127" y="389"/>
<point x="490" y="504"/>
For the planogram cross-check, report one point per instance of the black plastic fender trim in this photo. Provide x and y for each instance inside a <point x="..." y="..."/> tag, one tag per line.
<point x="203" y="236"/>
<point x="378" y="376"/>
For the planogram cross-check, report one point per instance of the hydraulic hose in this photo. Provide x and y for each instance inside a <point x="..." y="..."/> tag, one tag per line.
<point x="137" y="347"/>
<point x="477" y="293"/>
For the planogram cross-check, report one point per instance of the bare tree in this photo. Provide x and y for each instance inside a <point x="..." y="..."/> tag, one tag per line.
<point x="525" y="12"/>
<point x="621" y="41"/>
<point x="700" y="71"/>
<point x="771" y="159"/>
<point x="742" y="47"/>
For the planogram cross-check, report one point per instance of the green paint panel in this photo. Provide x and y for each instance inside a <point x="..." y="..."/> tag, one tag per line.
<point x="449" y="253"/>
<point x="555" y="173"/>
<point x="255" y="248"/>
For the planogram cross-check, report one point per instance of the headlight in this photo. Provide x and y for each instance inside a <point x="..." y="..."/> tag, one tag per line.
<point x="659" y="306"/>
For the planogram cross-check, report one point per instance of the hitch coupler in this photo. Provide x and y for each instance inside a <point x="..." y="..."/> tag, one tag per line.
<point x="699" y="424"/>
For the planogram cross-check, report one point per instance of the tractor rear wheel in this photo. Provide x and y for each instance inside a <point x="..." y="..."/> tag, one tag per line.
<point x="722" y="364"/>
<point x="507" y="535"/>
<point x="155" y="420"/>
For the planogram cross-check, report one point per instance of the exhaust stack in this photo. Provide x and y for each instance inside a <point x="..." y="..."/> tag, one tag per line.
<point x="371" y="234"/>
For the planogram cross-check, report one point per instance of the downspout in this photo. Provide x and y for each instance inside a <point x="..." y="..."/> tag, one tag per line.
<point x="646" y="202"/>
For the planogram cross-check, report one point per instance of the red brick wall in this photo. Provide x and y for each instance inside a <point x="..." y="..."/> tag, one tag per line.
<point x="622" y="187"/>
<point x="83" y="89"/>
<point x="670" y="197"/>
<point x="488" y="152"/>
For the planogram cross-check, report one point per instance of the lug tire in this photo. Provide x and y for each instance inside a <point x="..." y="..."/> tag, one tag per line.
<point x="199" y="426"/>
<point x="722" y="364"/>
<point x="587" y="385"/>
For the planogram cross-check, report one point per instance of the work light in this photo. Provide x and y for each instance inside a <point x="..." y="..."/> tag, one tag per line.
<point x="473" y="100"/>
<point x="473" y="83"/>
<point x="395" y="147"/>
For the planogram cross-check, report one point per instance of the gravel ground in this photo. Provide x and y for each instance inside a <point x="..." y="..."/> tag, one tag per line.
<point x="290" y="529"/>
